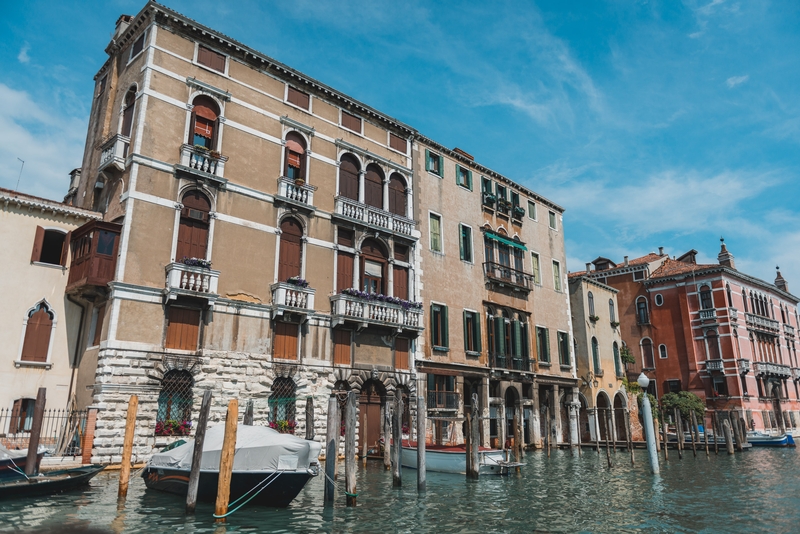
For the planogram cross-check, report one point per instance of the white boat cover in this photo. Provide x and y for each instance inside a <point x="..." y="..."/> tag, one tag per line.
<point x="258" y="448"/>
<point x="5" y="454"/>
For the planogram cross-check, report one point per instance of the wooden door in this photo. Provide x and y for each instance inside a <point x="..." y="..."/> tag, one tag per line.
<point x="370" y="419"/>
<point x="37" y="336"/>
<point x="183" y="327"/>
<point x="291" y="249"/>
<point x="344" y="270"/>
<point x="401" y="282"/>
<point x="193" y="230"/>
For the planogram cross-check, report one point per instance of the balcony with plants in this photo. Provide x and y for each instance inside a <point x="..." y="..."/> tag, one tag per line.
<point x="352" y="305"/>
<point x="202" y="162"/>
<point x="192" y="277"/>
<point x="293" y="295"/>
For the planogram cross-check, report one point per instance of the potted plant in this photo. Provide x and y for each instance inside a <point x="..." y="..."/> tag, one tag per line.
<point x="172" y="427"/>
<point x="299" y="182"/>
<point x="614" y="324"/>
<point x="489" y="199"/>
<point x="284" y="426"/>
<point x="519" y="212"/>
<point x="196" y="262"/>
<point x="626" y="356"/>
<point x="297" y="281"/>
<point x="594" y="318"/>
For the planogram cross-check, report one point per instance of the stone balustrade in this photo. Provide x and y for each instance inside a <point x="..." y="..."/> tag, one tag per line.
<point x="189" y="280"/>
<point x="708" y="314"/>
<point x="300" y="194"/>
<point x="364" y="310"/>
<point x="761" y="323"/>
<point x="374" y="217"/>
<point x="744" y="365"/>
<point x="714" y="365"/>
<point x="286" y="295"/>
<point x="206" y="161"/>
<point x="114" y="152"/>
<point x="788" y="330"/>
<point x="772" y="369"/>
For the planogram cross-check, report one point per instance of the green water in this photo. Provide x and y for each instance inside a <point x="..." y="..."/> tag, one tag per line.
<point x="754" y="491"/>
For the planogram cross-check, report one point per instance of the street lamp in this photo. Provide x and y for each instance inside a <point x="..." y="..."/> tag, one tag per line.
<point x="643" y="382"/>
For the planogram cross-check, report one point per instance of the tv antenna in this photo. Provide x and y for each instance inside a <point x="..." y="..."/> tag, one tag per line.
<point x="16" y="189"/>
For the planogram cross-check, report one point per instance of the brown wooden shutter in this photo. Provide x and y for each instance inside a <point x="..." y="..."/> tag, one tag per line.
<point x="290" y="259"/>
<point x="215" y="135"/>
<point x="285" y="345"/>
<point x="401" y="282"/>
<point x="341" y="347"/>
<point x="192" y="126"/>
<point x="65" y="249"/>
<point x="344" y="270"/>
<point x="183" y="327"/>
<point x="348" y="179"/>
<point x="400" y="353"/>
<point x="373" y="188"/>
<point x="298" y="98"/>
<point x="193" y="229"/>
<point x="398" y="143"/>
<point x="36" y="253"/>
<point x="16" y="420"/>
<point x="37" y="337"/>
<point x="218" y="62"/>
<point x="397" y="196"/>
<point x="351" y="122"/>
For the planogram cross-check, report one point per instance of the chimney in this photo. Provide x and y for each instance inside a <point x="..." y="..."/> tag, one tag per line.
<point x="780" y="281"/>
<point x="724" y="257"/>
<point x="626" y="261"/>
<point x="588" y="267"/>
<point x="660" y="251"/>
<point x="122" y="24"/>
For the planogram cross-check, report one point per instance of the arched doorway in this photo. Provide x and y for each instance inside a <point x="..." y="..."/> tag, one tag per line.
<point x="620" y="404"/>
<point x="511" y="403"/>
<point x="565" y="421"/>
<point x="194" y="225"/>
<point x="585" y="428"/>
<point x="373" y="397"/>
<point x="603" y="406"/>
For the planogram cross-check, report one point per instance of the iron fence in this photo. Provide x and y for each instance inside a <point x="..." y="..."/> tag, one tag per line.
<point x="62" y="430"/>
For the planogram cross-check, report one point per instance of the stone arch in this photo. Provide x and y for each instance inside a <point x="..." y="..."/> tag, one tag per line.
<point x="172" y="362"/>
<point x="602" y="406"/>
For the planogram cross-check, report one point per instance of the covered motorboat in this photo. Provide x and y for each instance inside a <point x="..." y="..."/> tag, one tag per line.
<point x="453" y="459"/>
<point x="12" y="462"/>
<point x="279" y="464"/>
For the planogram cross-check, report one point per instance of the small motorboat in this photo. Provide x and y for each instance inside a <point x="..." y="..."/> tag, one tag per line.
<point x="762" y="439"/>
<point x="453" y="459"/>
<point x="277" y="465"/>
<point x="12" y="463"/>
<point x="49" y="483"/>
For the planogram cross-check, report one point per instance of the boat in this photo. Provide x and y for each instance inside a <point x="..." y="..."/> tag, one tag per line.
<point x="12" y="463"/>
<point x="762" y="439"/>
<point x="277" y="465"/>
<point x="49" y="483"/>
<point x="453" y="459"/>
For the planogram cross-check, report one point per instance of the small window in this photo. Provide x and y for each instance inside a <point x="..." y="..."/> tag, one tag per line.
<point x="49" y="246"/>
<point x="439" y="326"/>
<point x="596" y="357"/>
<point x="659" y="300"/>
<point x="552" y="216"/>
<point x="434" y="163"/>
<point x="563" y="348"/>
<point x="345" y="237"/>
<point x="535" y="268"/>
<point x="38" y="328"/>
<point x="400" y="252"/>
<point x="138" y="46"/>
<point x="617" y="360"/>
<point x="398" y="143"/>
<point x="612" y="315"/>
<point x="501" y="192"/>
<point x="647" y="354"/>
<point x="100" y="313"/>
<point x="101" y="85"/>
<point x="174" y="417"/>
<point x="211" y="59"/>
<point x="486" y="185"/>
<point x="642" y="313"/>
<point x="542" y="345"/>
<point x="662" y="351"/>
<point x="22" y="416"/>
<point x="298" y="98"/>
<point x="283" y="405"/>
<point x="472" y="332"/>
<point x="673" y="386"/>
<point x="590" y="298"/>
<point x="436" y="232"/>
<point x="464" y="177"/>
<point x="556" y="276"/>
<point x="465" y="239"/>
<point x="706" y="302"/>
<point x="720" y="387"/>
<point x="351" y="122"/>
<point x="638" y="275"/>
<point x="531" y="210"/>
<point x="285" y="344"/>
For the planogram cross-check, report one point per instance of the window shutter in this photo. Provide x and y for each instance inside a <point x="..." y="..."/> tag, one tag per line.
<point x="192" y="126"/>
<point x="477" y="332"/>
<point x="525" y="343"/>
<point x="65" y="249"/>
<point x="37" y="337"/>
<point x="427" y="159"/>
<point x="516" y="340"/>
<point x="547" y="344"/>
<point x="36" y="253"/>
<point x="469" y="180"/>
<point x="461" y="241"/>
<point x="466" y="332"/>
<point x="445" y="340"/>
<point x="16" y="425"/>
<point x="215" y="135"/>
<point x="499" y="336"/>
<point x="433" y="327"/>
<point x="441" y="165"/>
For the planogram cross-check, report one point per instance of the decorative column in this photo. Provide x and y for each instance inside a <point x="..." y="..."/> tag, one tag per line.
<point x="409" y="203"/>
<point x="556" y="407"/>
<point x="535" y="422"/>
<point x="386" y="194"/>
<point x="356" y="269"/>
<point x="485" y="411"/>
<point x="361" y="175"/>
<point x="574" y="418"/>
<point x="390" y="278"/>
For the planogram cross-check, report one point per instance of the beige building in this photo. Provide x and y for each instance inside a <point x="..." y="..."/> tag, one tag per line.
<point x="41" y="334"/>
<point x="494" y="288"/>
<point x="598" y="345"/>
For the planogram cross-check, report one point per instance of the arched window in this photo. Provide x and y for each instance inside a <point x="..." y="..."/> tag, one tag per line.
<point x="373" y="186"/>
<point x="373" y="267"/>
<point x="662" y="351"/>
<point x="611" y="312"/>
<point x="744" y="300"/>
<point x="291" y="249"/>
<point x="712" y="345"/>
<point x="348" y="177"/>
<point x="617" y="360"/>
<point x="174" y="417"/>
<point x="590" y="297"/>
<point x="193" y="230"/>
<point x="596" y="356"/>
<point x="706" y="302"/>
<point x="648" y="361"/>
<point x="127" y="112"/>
<point x="204" y="124"/>
<point x="730" y="295"/>
<point x="398" y="202"/>
<point x="783" y="315"/>
<point x="642" y="314"/>
<point x="294" y="166"/>
<point x="38" y="328"/>
<point x="282" y="404"/>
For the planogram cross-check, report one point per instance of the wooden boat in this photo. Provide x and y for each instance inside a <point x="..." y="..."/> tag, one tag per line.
<point x="49" y="483"/>
<point x="453" y="459"/>
<point x="12" y="463"/>
<point x="762" y="439"/>
<point x="277" y="465"/>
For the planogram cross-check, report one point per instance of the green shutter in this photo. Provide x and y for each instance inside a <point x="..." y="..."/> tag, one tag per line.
<point x="499" y="336"/>
<point x="433" y="325"/>
<point x="516" y="340"/>
<point x="461" y="241"/>
<point x="427" y="159"/>
<point x="525" y="341"/>
<point x="441" y="166"/>
<point x="466" y="334"/>
<point x="469" y="180"/>
<point x="445" y="341"/>
<point x="477" y="331"/>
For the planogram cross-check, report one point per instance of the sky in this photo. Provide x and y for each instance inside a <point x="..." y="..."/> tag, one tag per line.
<point x="653" y="123"/>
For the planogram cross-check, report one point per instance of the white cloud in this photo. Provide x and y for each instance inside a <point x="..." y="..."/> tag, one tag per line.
<point x="733" y="81"/>
<point x="23" y="56"/>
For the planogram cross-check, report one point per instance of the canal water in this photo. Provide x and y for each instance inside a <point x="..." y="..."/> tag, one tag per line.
<point x="754" y="491"/>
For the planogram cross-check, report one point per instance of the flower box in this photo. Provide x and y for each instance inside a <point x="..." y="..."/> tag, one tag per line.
<point x="297" y="281"/>
<point x="172" y="427"/>
<point x="196" y="262"/>
<point x="284" y="426"/>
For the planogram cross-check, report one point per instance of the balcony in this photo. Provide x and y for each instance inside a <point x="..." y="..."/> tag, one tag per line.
<point x="94" y="249"/>
<point x="518" y="214"/>
<point x="762" y="324"/>
<point x="190" y="281"/>
<point x="301" y="196"/>
<point x="772" y="369"/>
<point x="373" y="217"/>
<point x="706" y="315"/>
<point x="503" y="275"/>
<point x="202" y="163"/>
<point x="714" y="365"/>
<point x="795" y="373"/>
<point x="114" y="152"/>
<point x="443" y="400"/>
<point x="788" y="330"/>
<point x="367" y="312"/>
<point x="733" y="314"/>
<point x="488" y="200"/>
<point x="744" y="366"/>
<point x="292" y="298"/>
<point x="500" y="361"/>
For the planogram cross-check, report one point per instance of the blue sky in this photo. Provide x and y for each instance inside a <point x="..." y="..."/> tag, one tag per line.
<point x="654" y="123"/>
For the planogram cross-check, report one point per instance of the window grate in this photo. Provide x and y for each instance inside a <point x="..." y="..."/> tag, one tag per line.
<point x="282" y="401"/>
<point x="175" y="404"/>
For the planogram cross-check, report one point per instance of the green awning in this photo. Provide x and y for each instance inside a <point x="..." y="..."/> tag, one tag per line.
<point x="505" y="240"/>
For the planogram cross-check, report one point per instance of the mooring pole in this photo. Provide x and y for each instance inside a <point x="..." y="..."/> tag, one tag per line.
<point x="350" y="448"/>
<point x="226" y="461"/>
<point x="397" y="441"/>
<point x="331" y="447"/>
<point x="547" y="424"/>
<point x="127" y="447"/>
<point x="726" y="428"/>
<point x="31" y="462"/>
<point x="387" y="435"/>
<point x="665" y="428"/>
<point x="197" y="452"/>
<point x="597" y="429"/>
<point x="679" y="432"/>
<point x="421" y="426"/>
<point x="705" y="433"/>
<point x="364" y="446"/>
<point x="309" y="418"/>
<point x="475" y="446"/>
<point x="608" y="440"/>
<point x="248" y="413"/>
<point x="715" y="425"/>
<point x="692" y="433"/>
<point x="648" y="428"/>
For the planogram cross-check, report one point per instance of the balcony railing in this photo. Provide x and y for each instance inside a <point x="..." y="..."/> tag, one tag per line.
<point x="500" y="361"/>
<point x="94" y="255"/>
<point x="191" y="281"/>
<point x="772" y="369"/>
<point x="708" y="314"/>
<point x="289" y="190"/>
<point x="762" y="323"/>
<point x="443" y="400"/>
<point x="114" y="152"/>
<point x="733" y="314"/>
<point x="788" y="330"/>
<point x="375" y="217"/>
<point x="744" y="366"/>
<point x="286" y="295"/>
<point x="364" y="310"/>
<point x="714" y="365"/>
<point x="503" y="275"/>
<point x="796" y="373"/>
<point x="205" y="161"/>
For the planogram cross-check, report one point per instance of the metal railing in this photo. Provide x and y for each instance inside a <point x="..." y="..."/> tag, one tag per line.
<point x="503" y="361"/>
<point x="503" y="274"/>
<point x="447" y="400"/>
<point x="62" y="430"/>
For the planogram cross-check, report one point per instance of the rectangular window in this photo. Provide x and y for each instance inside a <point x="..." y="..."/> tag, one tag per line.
<point x="436" y="232"/>
<point x="298" y="98"/>
<point x="486" y="185"/>
<point x="673" y="386"/>
<point x="542" y="345"/>
<point x="138" y="46"/>
<point x="434" y="163"/>
<point x="465" y="239"/>
<point x="344" y="270"/>
<point x="501" y="192"/>
<point x="472" y="331"/>
<point x="101" y="86"/>
<point x="638" y="275"/>
<point x="439" y="326"/>
<point x="514" y="199"/>
<point x="464" y="177"/>
<point x="531" y="210"/>
<point x="556" y="276"/>
<point x="401" y="353"/>
<point x="183" y="327"/>
<point x="211" y="59"/>
<point x="341" y="347"/>
<point x="563" y="348"/>
<point x="535" y="268"/>
<point x="398" y="143"/>
<point x="552" y="215"/>
<point x="285" y="345"/>
<point x="351" y="122"/>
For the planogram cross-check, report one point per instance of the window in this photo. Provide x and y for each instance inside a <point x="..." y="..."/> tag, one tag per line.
<point x="465" y="239"/>
<point x="38" y="329"/>
<point x="50" y="246"/>
<point x="439" y="326"/>
<point x="563" y="348"/>
<point x="290" y="257"/>
<point x="374" y="261"/>
<point x="662" y="351"/>
<point x="535" y="269"/>
<point x="720" y="386"/>
<point x="138" y="46"/>
<point x="556" y="276"/>
<point x="400" y="282"/>
<point x="712" y="345"/>
<point x="730" y="295"/>
<point x="351" y="122"/>
<point x="436" y="232"/>
<point x="638" y="275"/>
<point x="22" y="416"/>
<point x="440" y="391"/>
<point x="298" y="98"/>
<point x="531" y="210"/>
<point x="464" y="177"/>
<point x="515" y="200"/>
<point x="617" y="360"/>
<point x="285" y="344"/>
<point x="349" y="168"/>
<point x="642" y="315"/>
<point x="211" y="59"/>
<point x="194" y="226"/>
<point x="373" y="186"/>
<point x="344" y="270"/>
<point x="674" y="386"/>
<point x="282" y="401"/>
<point x="294" y="166"/>
<point x="398" y="202"/>
<point x="502" y="205"/>
<point x="127" y="112"/>
<point x="174" y="415"/>
<point x="542" y="345"/>
<point x="590" y="298"/>
<point x="472" y="331"/>
<point x="101" y="85"/>
<point x="398" y="143"/>
<point x="596" y="357"/>
<point x="341" y="347"/>
<point x="706" y="302"/>
<point x="659" y="300"/>
<point x="183" y="327"/>
<point x="611" y="312"/>
<point x="647" y="354"/>
<point x="486" y="185"/>
<point x="434" y="163"/>
<point x="204" y="123"/>
<point x="552" y="218"/>
<point x="401" y="354"/>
